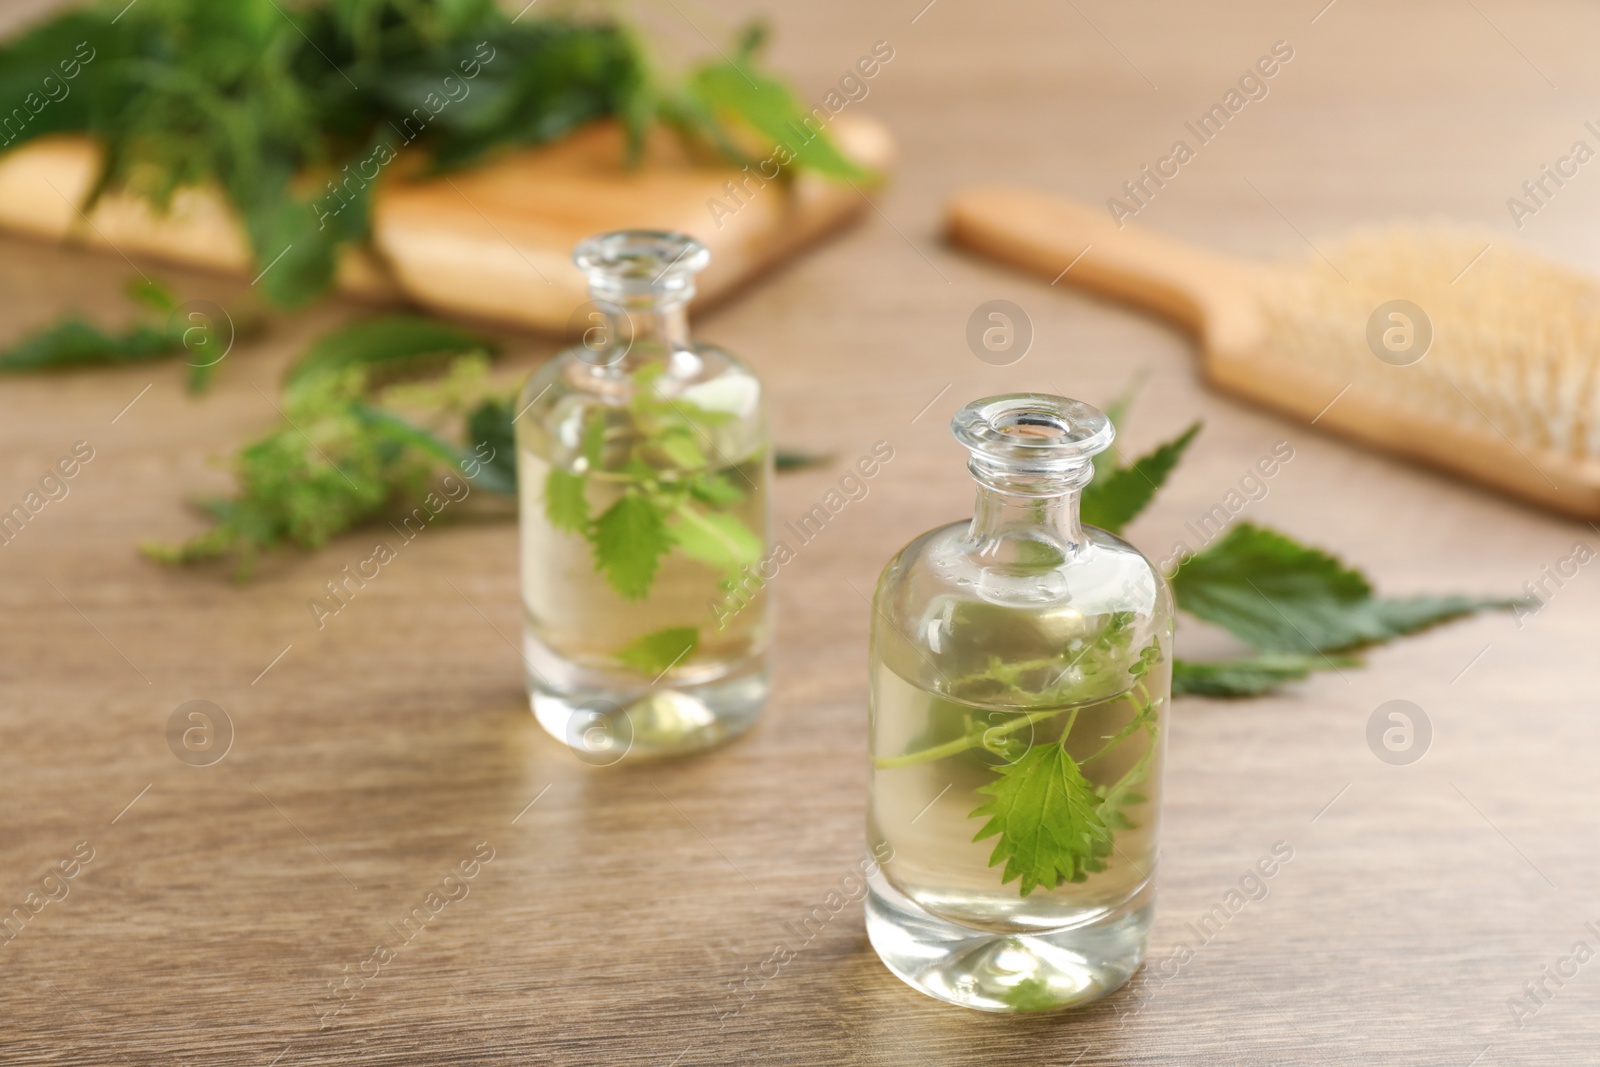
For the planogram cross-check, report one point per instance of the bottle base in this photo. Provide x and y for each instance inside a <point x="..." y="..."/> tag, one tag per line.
<point x="604" y="720"/>
<point x="1032" y="972"/>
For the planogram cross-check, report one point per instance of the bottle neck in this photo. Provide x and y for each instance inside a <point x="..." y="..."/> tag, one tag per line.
<point x="655" y="326"/>
<point x="648" y="330"/>
<point x="1008" y="525"/>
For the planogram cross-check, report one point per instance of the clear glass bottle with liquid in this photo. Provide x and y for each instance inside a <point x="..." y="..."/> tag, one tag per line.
<point x="643" y="462"/>
<point x="1020" y="677"/>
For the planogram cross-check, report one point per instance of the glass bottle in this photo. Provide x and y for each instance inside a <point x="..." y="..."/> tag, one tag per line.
<point x="643" y="462"/>
<point x="1020" y="677"/>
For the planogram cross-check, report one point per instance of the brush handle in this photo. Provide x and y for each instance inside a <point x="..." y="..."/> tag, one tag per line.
<point x="1200" y="290"/>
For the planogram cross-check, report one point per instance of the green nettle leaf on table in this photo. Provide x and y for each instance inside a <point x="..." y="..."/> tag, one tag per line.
<point x="1118" y="494"/>
<point x="785" y="459"/>
<point x="489" y="425"/>
<point x="303" y="483"/>
<point x="74" y="343"/>
<point x="1249" y="675"/>
<point x="1300" y="608"/>
<point x="1280" y="596"/>
<point x="385" y="347"/>
<point x="340" y="458"/>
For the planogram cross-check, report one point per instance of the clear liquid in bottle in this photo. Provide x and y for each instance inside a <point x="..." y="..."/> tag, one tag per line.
<point x="643" y="462"/>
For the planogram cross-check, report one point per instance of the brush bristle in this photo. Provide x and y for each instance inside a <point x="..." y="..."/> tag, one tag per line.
<point x="1516" y="339"/>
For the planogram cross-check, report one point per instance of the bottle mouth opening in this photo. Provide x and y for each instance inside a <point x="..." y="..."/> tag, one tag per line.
<point x="1035" y="424"/>
<point x="1032" y="432"/>
<point x="628" y="264"/>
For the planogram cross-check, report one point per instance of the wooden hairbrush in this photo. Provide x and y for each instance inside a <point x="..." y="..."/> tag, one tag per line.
<point x="1506" y="392"/>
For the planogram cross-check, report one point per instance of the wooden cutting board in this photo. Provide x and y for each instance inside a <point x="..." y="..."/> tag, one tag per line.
<point x="493" y="242"/>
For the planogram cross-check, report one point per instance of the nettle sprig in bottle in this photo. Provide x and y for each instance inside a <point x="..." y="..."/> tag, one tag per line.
<point x="643" y="461"/>
<point x="1019" y="690"/>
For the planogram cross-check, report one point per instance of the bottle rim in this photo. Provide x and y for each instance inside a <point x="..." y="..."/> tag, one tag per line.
<point x="636" y="263"/>
<point x="1032" y="433"/>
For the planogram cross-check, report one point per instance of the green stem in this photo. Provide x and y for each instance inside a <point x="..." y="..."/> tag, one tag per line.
<point x="964" y="742"/>
<point x="1066" y="731"/>
<point x="1133" y="724"/>
<point x="978" y="738"/>
<point x="1115" y="796"/>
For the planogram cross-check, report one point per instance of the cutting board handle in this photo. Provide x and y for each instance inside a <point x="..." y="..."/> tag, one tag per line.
<point x="1075" y="244"/>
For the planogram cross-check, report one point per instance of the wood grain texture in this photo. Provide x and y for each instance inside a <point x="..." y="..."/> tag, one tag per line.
<point x="494" y="241"/>
<point x="375" y="754"/>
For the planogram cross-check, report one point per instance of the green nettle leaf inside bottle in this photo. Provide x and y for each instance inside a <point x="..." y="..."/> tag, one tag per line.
<point x="1020" y="676"/>
<point x="643" y="461"/>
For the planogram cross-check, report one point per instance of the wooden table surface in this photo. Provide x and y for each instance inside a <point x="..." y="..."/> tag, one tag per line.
<point x="621" y="906"/>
